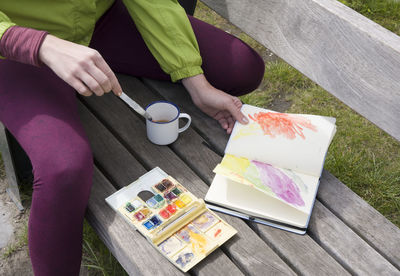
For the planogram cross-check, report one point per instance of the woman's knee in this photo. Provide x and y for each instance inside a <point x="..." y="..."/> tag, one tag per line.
<point x="228" y="63"/>
<point x="246" y="69"/>
<point x="237" y="70"/>
<point x="66" y="173"/>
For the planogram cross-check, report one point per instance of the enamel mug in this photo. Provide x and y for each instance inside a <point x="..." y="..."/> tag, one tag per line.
<point x="164" y="129"/>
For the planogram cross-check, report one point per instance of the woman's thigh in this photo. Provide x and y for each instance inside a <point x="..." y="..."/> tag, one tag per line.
<point x="40" y="110"/>
<point x="228" y="63"/>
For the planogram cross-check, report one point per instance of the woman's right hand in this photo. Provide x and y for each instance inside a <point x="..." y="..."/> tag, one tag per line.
<point x="81" y="67"/>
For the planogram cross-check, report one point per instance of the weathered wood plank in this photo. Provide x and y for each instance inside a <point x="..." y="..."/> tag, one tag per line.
<point x="301" y="252"/>
<point x="103" y="143"/>
<point x="367" y="222"/>
<point x="347" y="54"/>
<point x="321" y="217"/>
<point x="12" y="189"/>
<point x="345" y="245"/>
<point x="217" y="263"/>
<point x="131" y="249"/>
<point x="246" y="248"/>
<point x="109" y="154"/>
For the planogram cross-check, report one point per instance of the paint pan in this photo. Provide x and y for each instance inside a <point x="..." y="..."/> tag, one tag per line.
<point x="171" y="218"/>
<point x="205" y="221"/>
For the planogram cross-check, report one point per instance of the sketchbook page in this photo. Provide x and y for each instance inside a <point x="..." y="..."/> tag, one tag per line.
<point x="295" y="189"/>
<point x="292" y="141"/>
<point x="236" y="196"/>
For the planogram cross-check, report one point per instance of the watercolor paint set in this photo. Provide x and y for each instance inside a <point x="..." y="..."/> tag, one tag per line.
<point x="171" y="218"/>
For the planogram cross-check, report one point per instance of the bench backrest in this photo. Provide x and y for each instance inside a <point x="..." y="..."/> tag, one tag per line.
<point x="350" y="56"/>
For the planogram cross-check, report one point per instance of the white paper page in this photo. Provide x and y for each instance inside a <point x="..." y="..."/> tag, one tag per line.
<point x="247" y="200"/>
<point x="292" y="141"/>
<point x="293" y="188"/>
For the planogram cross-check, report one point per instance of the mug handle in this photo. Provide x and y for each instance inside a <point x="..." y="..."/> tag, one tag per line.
<point x="185" y="127"/>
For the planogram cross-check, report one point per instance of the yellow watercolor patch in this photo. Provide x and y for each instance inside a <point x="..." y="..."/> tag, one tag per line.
<point x="249" y="130"/>
<point x="234" y="163"/>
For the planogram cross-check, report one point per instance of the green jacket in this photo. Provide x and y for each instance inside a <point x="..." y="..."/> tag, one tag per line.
<point x="163" y="25"/>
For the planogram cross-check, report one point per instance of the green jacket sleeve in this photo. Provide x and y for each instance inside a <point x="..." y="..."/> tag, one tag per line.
<point x="5" y="23"/>
<point x="168" y="34"/>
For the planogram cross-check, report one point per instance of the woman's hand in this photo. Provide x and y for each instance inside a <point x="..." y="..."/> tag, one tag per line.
<point x="217" y="104"/>
<point x="81" y="67"/>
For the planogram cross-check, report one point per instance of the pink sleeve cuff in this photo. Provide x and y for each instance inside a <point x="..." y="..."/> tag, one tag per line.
<point x="22" y="44"/>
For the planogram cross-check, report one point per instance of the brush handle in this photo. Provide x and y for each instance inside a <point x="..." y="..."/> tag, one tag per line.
<point x="135" y="106"/>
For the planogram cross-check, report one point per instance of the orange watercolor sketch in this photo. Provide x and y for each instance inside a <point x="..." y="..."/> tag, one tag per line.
<point x="274" y="124"/>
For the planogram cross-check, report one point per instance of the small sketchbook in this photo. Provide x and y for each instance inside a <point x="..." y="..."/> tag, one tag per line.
<point x="172" y="219"/>
<point x="271" y="168"/>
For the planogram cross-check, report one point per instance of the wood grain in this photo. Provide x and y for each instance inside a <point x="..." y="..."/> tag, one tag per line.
<point x="110" y="107"/>
<point x="301" y="252"/>
<point x="12" y="189"/>
<point x="119" y="165"/>
<point x="341" y="249"/>
<point x="347" y="54"/>
<point x="246" y="249"/>
<point x="367" y="222"/>
<point x="131" y="249"/>
<point x="346" y="246"/>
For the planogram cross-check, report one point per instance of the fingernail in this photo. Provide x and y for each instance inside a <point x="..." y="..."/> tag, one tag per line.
<point x="245" y="120"/>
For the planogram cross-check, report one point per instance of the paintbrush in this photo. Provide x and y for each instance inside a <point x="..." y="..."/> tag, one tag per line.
<point x="135" y="106"/>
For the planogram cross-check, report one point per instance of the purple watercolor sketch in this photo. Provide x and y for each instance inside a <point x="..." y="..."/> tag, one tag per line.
<point x="282" y="185"/>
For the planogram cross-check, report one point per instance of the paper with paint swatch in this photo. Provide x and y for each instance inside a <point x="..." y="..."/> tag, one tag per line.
<point x="279" y="155"/>
<point x="289" y="187"/>
<point x="297" y="142"/>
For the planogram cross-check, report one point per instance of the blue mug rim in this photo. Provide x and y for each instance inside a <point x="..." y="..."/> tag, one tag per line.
<point x="164" y="101"/>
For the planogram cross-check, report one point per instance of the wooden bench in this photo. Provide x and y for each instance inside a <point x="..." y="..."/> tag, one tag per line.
<point x="350" y="56"/>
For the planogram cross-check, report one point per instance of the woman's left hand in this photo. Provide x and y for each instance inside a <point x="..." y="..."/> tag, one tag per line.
<point x="217" y="104"/>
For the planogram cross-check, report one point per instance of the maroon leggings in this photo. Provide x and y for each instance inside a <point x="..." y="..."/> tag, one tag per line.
<point x="40" y="110"/>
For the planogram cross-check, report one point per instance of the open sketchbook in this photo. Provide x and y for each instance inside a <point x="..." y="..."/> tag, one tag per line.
<point x="271" y="168"/>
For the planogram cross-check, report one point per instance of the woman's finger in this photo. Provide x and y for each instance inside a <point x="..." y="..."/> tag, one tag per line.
<point x="233" y="107"/>
<point x="223" y="122"/>
<point x="90" y="82"/>
<point x="100" y="77"/>
<point x="231" y="123"/>
<point x="238" y="103"/>
<point x="115" y="86"/>
<point x="80" y="87"/>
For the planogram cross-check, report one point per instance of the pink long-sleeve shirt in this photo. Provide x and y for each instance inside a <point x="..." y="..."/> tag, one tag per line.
<point x="22" y="44"/>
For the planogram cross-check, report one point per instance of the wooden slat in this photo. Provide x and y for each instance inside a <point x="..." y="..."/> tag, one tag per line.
<point x="380" y="233"/>
<point x="117" y="114"/>
<point x="324" y="226"/>
<point x="301" y="252"/>
<point x="109" y="153"/>
<point x="346" y="246"/>
<point x="321" y="217"/>
<point x="246" y="248"/>
<point x="12" y="189"/>
<point x="347" y="54"/>
<point x="132" y="250"/>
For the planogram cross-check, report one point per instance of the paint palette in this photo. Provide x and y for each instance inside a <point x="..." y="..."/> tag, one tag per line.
<point x="176" y="222"/>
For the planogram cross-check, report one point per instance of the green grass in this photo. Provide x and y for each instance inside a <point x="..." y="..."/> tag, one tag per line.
<point x="361" y="155"/>
<point x="384" y="12"/>
<point x="21" y="241"/>
<point x="96" y="256"/>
